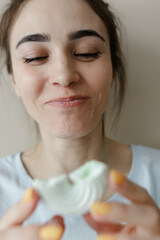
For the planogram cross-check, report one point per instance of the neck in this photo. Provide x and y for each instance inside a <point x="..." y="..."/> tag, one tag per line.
<point x="56" y="156"/>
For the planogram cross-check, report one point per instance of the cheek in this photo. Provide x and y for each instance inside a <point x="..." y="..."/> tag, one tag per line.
<point x="100" y="80"/>
<point x="28" y="82"/>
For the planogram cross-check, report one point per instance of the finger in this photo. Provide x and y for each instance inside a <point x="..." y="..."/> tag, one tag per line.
<point x="57" y="220"/>
<point x="128" y="189"/>
<point x="128" y="229"/>
<point x="125" y="237"/>
<point x="102" y="227"/>
<point x="19" y="233"/>
<point x="46" y="232"/>
<point x="54" y="229"/>
<point x="18" y="213"/>
<point x="143" y="216"/>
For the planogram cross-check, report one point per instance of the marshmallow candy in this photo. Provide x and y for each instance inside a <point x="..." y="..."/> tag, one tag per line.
<point x="88" y="184"/>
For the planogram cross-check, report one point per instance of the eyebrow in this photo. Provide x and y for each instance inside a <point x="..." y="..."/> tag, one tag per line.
<point x="72" y="36"/>
<point x="34" y="38"/>
<point x="85" y="33"/>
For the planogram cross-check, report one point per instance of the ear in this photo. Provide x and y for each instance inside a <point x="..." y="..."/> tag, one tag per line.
<point x="14" y="84"/>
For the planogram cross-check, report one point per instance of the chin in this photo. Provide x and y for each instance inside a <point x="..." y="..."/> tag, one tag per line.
<point x="70" y="128"/>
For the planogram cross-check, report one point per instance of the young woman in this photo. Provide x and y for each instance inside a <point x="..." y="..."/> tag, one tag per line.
<point x="63" y="58"/>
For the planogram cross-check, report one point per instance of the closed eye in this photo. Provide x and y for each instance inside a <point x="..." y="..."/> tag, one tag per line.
<point x="39" y="59"/>
<point x="87" y="55"/>
<point x="81" y="56"/>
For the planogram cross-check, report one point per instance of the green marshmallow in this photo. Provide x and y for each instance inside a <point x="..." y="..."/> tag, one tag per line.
<point x="88" y="184"/>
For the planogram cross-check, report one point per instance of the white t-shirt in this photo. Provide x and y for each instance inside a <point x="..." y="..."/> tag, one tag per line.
<point x="14" y="180"/>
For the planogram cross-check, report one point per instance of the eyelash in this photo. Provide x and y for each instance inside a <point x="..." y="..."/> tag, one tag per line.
<point x="28" y="60"/>
<point x="87" y="55"/>
<point x="81" y="55"/>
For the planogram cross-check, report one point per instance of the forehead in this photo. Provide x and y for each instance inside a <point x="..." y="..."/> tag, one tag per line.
<point x="58" y="17"/>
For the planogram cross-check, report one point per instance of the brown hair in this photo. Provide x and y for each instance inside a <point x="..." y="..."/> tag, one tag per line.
<point x="102" y="9"/>
<point x="118" y="61"/>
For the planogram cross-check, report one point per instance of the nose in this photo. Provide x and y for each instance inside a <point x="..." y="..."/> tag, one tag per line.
<point x="63" y="73"/>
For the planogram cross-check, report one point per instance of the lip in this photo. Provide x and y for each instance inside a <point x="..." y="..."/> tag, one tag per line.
<point x="66" y="102"/>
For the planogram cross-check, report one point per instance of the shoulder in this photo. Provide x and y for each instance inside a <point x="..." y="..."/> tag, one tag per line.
<point x="9" y="158"/>
<point x="8" y="162"/>
<point x="145" y="169"/>
<point x="146" y="154"/>
<point x="8" y="182"/>
<point x="146" y="161"/>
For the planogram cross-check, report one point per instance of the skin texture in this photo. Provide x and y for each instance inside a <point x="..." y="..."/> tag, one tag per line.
<point x="69" y="132"/>
<point x="74" y="132"/>
<point x="62" y="74"/>
<point x="142" y="217"/>
<point x="11" y="223"/>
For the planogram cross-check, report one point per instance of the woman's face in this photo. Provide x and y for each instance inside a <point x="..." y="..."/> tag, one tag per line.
<point x="62" y="66"/>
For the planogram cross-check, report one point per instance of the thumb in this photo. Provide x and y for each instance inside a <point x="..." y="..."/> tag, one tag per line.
<point x="57" y="220"/>
<point x="56" y="233"/>
<point x="19" y="212"/>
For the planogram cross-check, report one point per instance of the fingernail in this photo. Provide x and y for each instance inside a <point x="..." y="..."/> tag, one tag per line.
<point x="51" y="232"/>
<point x="100" y="208"/>
<point x="105" y="237"/>
<point x="116" y="177"/>
<point x="28" y="195"/>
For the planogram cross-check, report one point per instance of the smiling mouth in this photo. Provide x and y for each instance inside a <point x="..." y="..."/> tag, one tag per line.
<point x="67" y="102"/>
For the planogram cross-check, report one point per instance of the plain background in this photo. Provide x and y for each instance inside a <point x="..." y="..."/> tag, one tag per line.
<point x="140" y="118"/>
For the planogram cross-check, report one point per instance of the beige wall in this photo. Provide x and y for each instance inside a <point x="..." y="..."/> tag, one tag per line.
<point x="140" y="120"/>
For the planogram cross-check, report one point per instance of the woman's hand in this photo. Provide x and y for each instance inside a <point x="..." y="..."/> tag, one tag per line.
<point x="141" y="218"/>
<point x="11" y="227"/>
